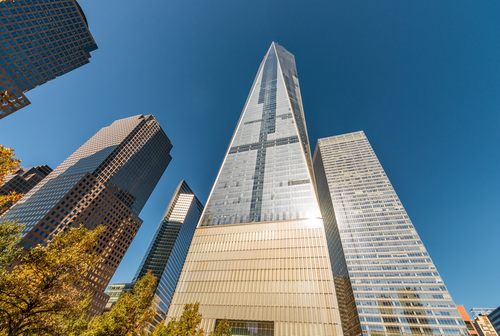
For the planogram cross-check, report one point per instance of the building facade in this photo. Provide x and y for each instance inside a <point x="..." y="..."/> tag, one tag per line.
<point x="106" y="182"/>
<point x="167" y="251"/>
<point x="475" y="312"/>
<point x="39" y="41"/>
<point x="114" y="291"/>
<point x="22" y="181"/>
<point x="468" y="322"/>
<point x="386" y="281"/>
<point x="494" y="318"/>
<point x="483" y="325"/>
<point x="259" y="256"/>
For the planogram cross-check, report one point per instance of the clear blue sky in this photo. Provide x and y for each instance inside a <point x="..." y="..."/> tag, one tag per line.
<point x="421" y="78"/>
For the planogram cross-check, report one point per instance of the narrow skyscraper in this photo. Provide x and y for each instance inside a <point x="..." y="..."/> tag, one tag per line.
<point x="259" y="256"/>
<point x="39" y="41"/>
<point x="168" y="248"/>
<point x="106" y="182"/>
<point x="386" y="282"/>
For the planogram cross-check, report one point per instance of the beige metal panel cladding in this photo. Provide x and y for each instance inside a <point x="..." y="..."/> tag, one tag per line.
<point x="269" y="271"/>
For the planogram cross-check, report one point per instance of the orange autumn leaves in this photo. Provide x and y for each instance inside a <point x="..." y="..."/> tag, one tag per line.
<point x="8" y="165"/>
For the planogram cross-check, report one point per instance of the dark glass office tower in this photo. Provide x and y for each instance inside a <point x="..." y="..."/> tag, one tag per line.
<point x="106" y="182"/>
<point x="39" y="41"/>
<point x="386" y="282"/>
<point x="494" y="317"/>
<point x="168" y="248"/>
<point x="22" y="181"/>
<point x="259" y="256"/>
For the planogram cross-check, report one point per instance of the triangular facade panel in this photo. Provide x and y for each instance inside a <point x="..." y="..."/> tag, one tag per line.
<point x="266" y="173"/>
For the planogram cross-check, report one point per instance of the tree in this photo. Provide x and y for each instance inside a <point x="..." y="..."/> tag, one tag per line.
<point x="162" y="330"/>
<point x="188" y="324"/>
<point x="10" y="235"/>
<point x="131" y="314"/>
<point x="48" y="288"/>
<point x="76" y="323"/>
<point x="222" y="329"/>
<point x="8" y="165"/>
<point x="10" y="231"/>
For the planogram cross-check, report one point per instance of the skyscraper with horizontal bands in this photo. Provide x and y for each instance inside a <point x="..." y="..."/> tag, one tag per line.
<point x="386" y="282"/>
<point x="39" y="41"/>
<point x="106" y="182"/>
<point x="259" y="256"/>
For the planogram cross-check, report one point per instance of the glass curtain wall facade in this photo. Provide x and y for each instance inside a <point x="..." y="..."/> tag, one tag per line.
<point x="39" y="41"/>
<point x="167" y="251"/>
<point x="494" y="318"/>
<point x="390" y="284"/>
<point x="106" y="182"/>
<point x="259" y="255"/>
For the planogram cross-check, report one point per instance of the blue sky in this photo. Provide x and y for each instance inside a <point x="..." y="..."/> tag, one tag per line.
<point x="421" y="78"/>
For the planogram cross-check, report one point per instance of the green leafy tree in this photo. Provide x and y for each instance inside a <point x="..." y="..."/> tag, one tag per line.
<point x="222" y="329"/>
<point x="10" y="235"/>
<point x="187" y="325"/>
<point x="131" y="314"/>
<point x="46" y="291"/>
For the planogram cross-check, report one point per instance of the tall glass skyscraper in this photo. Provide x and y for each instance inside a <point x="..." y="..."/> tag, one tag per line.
<point x="39" y="41"/>
<point x="167" y="251"/>
<point x="386" y="282"/>
<point x="106" y="182"/>
<point x="259" y="256"/>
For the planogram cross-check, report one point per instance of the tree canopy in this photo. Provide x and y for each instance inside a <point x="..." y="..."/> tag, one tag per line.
<point x="131" y="314"/>
<point x="222" y="329"/>
<point x="10" y="235"/>
<point x="49" y="285"/>
<point x="8" y="165"/>
<point x="189" y="324"/>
